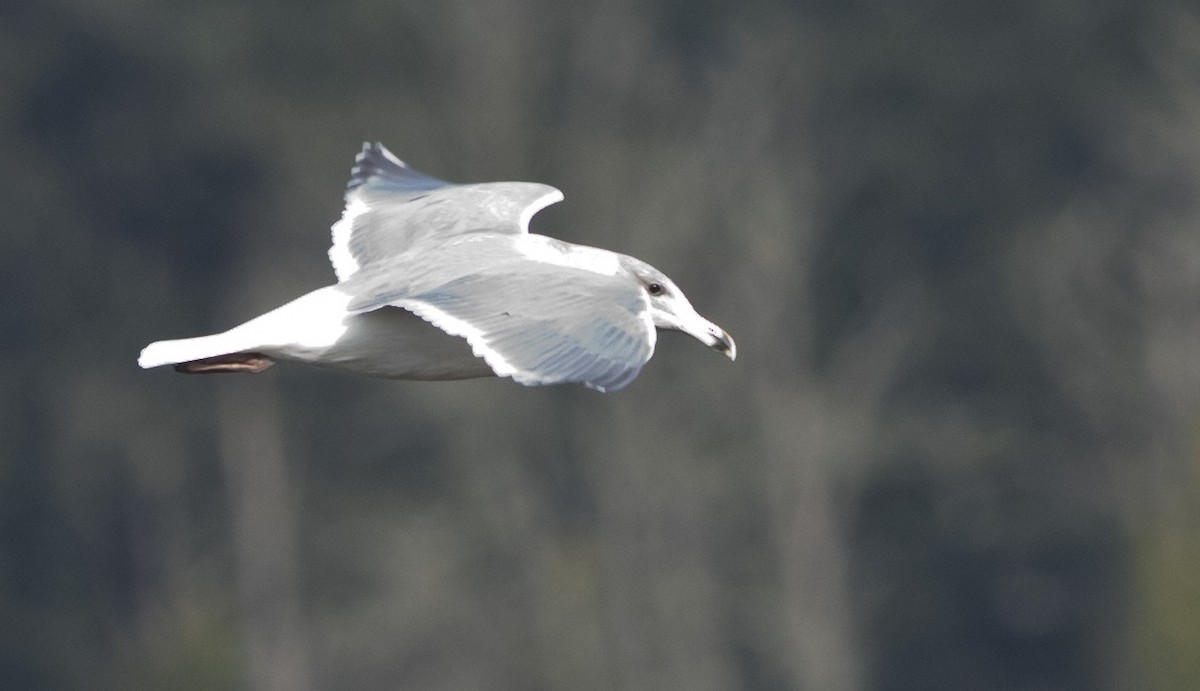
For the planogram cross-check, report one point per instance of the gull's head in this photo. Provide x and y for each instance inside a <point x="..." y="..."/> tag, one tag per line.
<point x="670" y="308"/>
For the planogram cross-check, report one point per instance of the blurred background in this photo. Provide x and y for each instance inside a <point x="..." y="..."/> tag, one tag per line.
<point x="956" y="243"/>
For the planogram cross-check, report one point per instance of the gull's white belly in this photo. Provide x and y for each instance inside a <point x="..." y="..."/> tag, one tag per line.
<point x="393" y="342"/>
<point x="388" y="342"/>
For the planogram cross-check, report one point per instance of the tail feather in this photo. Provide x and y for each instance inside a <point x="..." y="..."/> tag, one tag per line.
<point x="305" y="325"/>
<point x="202" y="355"/>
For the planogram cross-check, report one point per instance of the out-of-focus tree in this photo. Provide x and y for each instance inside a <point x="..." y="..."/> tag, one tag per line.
<point x="955" y="243"/>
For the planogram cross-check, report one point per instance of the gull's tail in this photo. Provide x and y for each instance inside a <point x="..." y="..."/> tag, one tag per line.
<point x="301" y="329"/>
<point x="203" y="355"/>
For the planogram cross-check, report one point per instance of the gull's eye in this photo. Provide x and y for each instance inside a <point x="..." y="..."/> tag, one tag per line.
<point x="655" y="289"/>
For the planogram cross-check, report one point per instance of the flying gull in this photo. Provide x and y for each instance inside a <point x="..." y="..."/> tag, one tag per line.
<point x="444" y="281"/>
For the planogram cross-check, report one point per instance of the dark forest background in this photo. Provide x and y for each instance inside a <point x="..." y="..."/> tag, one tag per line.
<point x="956" y="242"/>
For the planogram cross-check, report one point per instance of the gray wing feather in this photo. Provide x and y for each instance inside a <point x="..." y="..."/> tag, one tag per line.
<point x="390" y="208"/>
<point x="537" y="323"/>
<point x="378" y="168"/>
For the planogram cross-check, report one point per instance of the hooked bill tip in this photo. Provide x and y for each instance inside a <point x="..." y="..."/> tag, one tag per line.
<point x="723" y="343"/>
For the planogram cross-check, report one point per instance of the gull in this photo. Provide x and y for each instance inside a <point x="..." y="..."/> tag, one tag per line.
<point x="439" y="281"/>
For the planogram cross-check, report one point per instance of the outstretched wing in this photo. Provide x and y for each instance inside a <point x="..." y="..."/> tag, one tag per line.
<point x="538" y="322"/>
<point x="391" y="207"/>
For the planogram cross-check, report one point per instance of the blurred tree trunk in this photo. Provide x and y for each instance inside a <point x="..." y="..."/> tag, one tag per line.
<point x="263" y="520"/>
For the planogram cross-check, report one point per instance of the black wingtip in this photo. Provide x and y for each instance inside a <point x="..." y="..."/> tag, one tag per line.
<point x="377" y="166"/>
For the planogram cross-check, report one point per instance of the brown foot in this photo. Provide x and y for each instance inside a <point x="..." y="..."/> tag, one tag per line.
<point x="234" y="362"/>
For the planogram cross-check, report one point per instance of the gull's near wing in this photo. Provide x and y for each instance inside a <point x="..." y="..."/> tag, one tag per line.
<point x="538" y="322"/>
<point x="391" y="207"/>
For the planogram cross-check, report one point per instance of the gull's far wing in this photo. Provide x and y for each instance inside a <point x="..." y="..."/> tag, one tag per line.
<point x="391" y="207"/>
<point x="537" y="322"/>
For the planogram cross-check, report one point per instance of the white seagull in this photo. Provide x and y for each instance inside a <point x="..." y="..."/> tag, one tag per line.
<point x="444" y="281"/>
